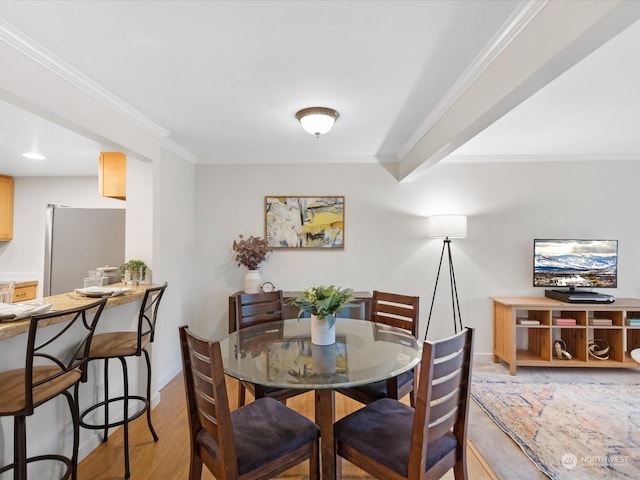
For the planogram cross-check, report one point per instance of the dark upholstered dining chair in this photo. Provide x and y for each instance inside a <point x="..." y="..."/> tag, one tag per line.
<point x="400" y="311"/>
<point x="257" y="309"/>
<point x="256" y="441"/>
<point x="56" y="360"/>
<point x="391" y="440"/>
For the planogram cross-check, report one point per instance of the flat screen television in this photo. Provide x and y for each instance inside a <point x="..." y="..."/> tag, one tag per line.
<point x="574" y="265"/>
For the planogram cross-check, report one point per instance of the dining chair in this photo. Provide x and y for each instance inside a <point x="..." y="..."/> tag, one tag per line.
<point x="258" y="309"/>
<point x="256" y="441"/>
<point x="391" y="440"/>
<point x="120" y="345"/>
<point x="401" y="311"/>
<point x="56" y="360"/>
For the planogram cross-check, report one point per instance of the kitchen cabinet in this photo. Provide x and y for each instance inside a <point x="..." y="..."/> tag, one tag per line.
<point x="6" y="208"/>
<point x="112" y="175"/>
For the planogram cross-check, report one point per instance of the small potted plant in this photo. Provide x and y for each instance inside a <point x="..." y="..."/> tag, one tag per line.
<point x="323" y="303"/>
<point x="133" y="272"/>
<point x="251" y="253"/>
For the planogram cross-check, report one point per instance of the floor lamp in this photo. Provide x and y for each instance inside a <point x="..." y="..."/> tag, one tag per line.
<point x="447" y="227"/>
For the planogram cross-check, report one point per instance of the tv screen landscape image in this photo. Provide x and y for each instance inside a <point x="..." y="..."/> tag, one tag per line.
<point x="573" y="264"/>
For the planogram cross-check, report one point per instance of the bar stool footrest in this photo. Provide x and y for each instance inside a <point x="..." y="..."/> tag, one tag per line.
<point x="117" y="423"/>
<point x="66" y="461"/>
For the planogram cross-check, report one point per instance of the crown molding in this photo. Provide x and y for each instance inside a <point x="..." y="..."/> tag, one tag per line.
<point x="179" y="150"/>
<point x="297" y="160"/>
<point x="518" y="20"/>
<point x="541" y="158"/>
<point x="38" y="53"/>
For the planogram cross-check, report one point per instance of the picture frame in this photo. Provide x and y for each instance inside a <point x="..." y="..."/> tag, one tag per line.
<point x="304" y="222"/>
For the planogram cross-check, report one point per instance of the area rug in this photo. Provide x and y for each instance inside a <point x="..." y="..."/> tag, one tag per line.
<point x="579" y="424"/>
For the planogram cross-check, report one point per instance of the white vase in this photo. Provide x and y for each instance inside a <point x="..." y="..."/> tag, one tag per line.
<point x="252" y="281"/>
<point x="321" y="332"/>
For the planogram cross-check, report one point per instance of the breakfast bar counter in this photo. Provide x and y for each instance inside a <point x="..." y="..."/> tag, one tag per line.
<point x="56" y="429"/>
<point x="68" y="300"/>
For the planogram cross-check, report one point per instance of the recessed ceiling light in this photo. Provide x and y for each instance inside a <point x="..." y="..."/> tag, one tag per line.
<point x="34" y="156"/>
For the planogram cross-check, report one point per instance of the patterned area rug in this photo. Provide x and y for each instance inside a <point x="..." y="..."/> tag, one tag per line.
<point x="571" y="425"/>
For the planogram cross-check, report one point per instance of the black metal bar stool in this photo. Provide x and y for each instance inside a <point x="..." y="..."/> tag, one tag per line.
<point x="54" y="364"/>
<point x="120" y="345"/>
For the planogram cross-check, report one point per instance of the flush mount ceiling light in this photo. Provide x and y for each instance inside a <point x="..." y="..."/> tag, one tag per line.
<point x="34" y="156"/>
<point x="317" y="120"/>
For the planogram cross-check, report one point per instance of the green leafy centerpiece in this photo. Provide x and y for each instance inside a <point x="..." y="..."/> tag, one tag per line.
<point x="323" y="303"/>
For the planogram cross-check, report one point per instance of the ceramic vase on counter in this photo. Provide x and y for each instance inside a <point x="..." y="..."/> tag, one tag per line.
<point x="252" y="281"/>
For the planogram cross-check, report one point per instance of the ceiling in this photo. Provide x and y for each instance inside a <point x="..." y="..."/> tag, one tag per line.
<point x="220" y="82"/>
<point x="590" y="112"/>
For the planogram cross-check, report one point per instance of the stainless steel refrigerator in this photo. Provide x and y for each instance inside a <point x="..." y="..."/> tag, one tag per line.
<point x="78" y="240"/>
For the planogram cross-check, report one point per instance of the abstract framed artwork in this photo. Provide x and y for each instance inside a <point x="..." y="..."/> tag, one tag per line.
<point x="304" y="222"/>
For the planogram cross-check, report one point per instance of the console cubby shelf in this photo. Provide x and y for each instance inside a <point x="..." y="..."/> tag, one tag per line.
<point x="532" y="345"/>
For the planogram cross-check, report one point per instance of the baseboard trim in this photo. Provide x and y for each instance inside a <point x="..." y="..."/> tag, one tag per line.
<point x="483" y="357"/>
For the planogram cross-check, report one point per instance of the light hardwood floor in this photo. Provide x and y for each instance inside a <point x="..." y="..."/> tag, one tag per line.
<point x="168" y="459"/>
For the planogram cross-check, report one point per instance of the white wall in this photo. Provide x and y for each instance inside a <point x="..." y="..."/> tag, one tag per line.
<point x="174" y="259"/>
<point x="139" y="222"/>
<point x="385" y="236"/>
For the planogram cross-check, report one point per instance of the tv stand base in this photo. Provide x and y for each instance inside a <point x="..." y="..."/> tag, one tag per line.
<point x="569" y="296"/>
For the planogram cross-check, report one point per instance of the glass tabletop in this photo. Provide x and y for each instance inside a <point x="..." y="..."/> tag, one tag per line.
<point x="280" y="354"/>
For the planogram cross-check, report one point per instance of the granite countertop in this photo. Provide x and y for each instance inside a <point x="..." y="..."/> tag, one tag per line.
<point x="69" y="300"/>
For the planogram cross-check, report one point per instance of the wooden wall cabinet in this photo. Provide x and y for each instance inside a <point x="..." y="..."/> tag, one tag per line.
<point x="6" y="208"/>
<point x="112" y="175"/>
<point x="533" y="345"/>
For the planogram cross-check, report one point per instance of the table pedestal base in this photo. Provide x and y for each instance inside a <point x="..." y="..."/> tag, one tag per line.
<point x="325" y="416"/>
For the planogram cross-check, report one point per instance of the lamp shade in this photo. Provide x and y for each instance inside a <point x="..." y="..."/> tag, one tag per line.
<point x="447" y="226"/>
<point x="317" y="120"/>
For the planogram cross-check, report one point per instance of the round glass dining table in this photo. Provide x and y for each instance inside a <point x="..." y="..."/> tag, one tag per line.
<point x="281" y="354"/>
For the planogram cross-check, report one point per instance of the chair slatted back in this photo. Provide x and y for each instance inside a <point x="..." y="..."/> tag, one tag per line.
<point x="148" y="314"/>
<point x="443" y="393"/>
<point x="385" y="333"/>
<point x="256" y="308"/>
<point x="264" y="311"/>
<point x="59" y="354"/>
<point x="207" y="401"/>
<point x="400" y="311"/>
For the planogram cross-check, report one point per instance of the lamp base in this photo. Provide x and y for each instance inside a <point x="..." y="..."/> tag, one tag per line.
<point x="455" y="304"/>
